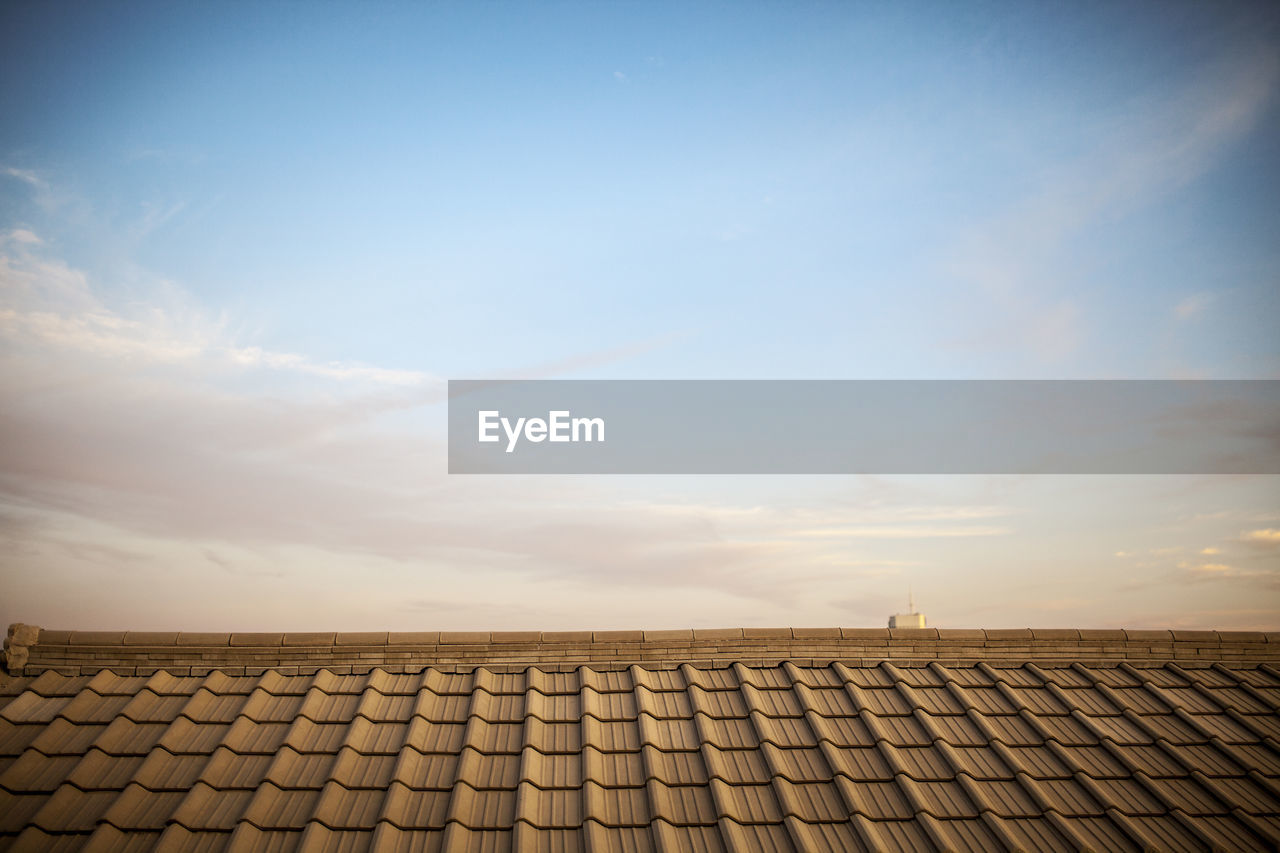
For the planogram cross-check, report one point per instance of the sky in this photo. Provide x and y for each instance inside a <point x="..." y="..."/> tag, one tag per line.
<point x="242" y="247"/>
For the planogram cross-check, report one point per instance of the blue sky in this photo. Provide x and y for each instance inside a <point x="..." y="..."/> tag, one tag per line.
<point x="241" y="245"/>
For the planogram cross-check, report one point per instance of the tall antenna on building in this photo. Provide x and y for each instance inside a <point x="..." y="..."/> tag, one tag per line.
<point x="910" y="619"/>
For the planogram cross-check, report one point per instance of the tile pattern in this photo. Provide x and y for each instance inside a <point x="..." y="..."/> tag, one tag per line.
<point x="985" y="756"/>
<point x="31" y="650"/>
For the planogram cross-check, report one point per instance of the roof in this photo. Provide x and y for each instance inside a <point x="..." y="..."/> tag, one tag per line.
<point x="888" y="752"/>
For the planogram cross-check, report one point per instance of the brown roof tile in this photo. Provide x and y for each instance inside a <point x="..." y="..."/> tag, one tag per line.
<point x="483" y="770"/>
<point x="411" y="809"/>
<point x="342" y="808"/>
<point x="555" y="808"/>
<point x="245" y="736"/>
<point x="58" y="738"/>
<point x="818" y="802"/>
<point x="435" y="771"/>
<point x="875" y="800"/>
<point x="18" y="809"/>
<point x="98" y="771"/>
<point x="551" y="771"/>
<point x="1031" y="754"/>
<point x="137" y="808"/>
<point x="272" y="807"/>
<point x="613" y="770"/>
<point x="126" y="737"/>
<point x="426" y="736"/>
<point x="34" y="772"/>
<point x="70" y="809"/>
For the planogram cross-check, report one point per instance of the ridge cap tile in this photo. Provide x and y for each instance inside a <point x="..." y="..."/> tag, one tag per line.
<point x="913" y="633"/>
<point x="257" y="638"/>
<point x="309" y="638"/>
<point x="617" y="636"/>
<point x="459" y="638"/>
<point x="566" y="636"/>
<point x="1101" y="634"/>
<point x="766" y="633"/>
<point x="97" y="638"/>
<point x="499" y="637"/>
<point x="1009" y="634"/>
<point x="1055" y="633"/>
<point x="204" y="638"/>
<point x="150" y="638"/>
<point x="816" y="633"/>
<point x="1160" y="634"/>
<point x="1185" y="636"/>
<point x="45" y="637"/>
<point x="361" y="638"/>
<point x="864" y="633"/>
<point x="1242" y="636"/>
<point x="718" y="633"/>
<point x="394" y="638"/>
<point x="668" y="634"/>
<point x="961" y="634"/>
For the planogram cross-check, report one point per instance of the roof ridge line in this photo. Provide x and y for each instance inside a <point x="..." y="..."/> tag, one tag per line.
<point x="31" y="650"/>
<point x="22" y="634"/>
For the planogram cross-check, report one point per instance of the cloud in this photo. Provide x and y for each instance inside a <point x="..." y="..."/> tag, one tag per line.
<point x="25" y="175"/>
<point x="154" y="217"/>
<point x="1268" y="578"/>
<point x="149" y="473"/>
<point x="258" y="357"/>
<point x="140" y="424"/>
<point x="1268" y="538"/>
<point x="1192" y="306"/>
<point x="920" y="532"/>
<point x="22" y="235"/>
<point x="1014" y="261"/>
<point x="620" y="77"/>
<point x="131" y="430"/>
<point x="47" y="303"/>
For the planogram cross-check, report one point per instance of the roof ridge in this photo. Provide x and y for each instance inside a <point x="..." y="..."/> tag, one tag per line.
<point x="20" y="634"/>
<point x="30" y="650"/>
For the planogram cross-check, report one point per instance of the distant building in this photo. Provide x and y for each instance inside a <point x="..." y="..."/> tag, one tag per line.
<point x="907" y="620"/>
<point x="911" y="619"/>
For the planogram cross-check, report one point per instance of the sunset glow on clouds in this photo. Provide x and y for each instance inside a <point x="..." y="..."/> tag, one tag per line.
<point x="233" y="280"/>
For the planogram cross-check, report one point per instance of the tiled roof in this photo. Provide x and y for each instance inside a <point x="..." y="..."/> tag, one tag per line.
<point x="836" y="755"/>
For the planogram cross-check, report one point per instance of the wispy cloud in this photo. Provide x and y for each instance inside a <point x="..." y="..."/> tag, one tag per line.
<point x="124" y="432"/>
<point x="1266" y="538"/>
<point x="1217" y="572"/>
<point x="915" y="532"/>
<point x="25" y="175"/>
<point x="156" y="216"/>
<point x="45" y="302"/>
<point x="1016" y="261"/>
<point x="1192" y="306"/>
<point x="22" y="235"/>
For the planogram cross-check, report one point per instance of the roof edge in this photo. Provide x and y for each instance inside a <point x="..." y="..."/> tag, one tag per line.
<point x="30" y="650"/>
